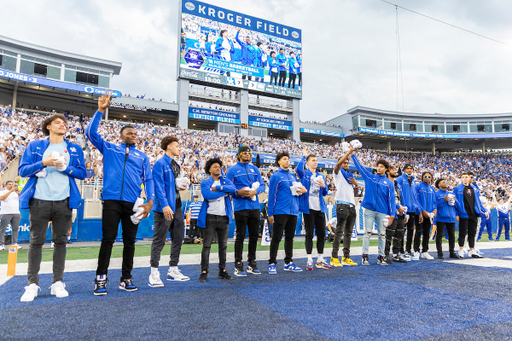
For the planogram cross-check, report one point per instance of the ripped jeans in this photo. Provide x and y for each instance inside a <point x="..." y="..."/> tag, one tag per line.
<point x="370" y="218"/>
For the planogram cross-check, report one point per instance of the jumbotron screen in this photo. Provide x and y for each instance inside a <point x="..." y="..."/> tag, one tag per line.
<point x="221" y="46"/>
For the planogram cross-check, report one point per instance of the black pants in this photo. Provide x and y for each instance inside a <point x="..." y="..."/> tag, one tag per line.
<point x="193" y="230"/>
<point x="413" y="219"/>
<point x="450" y="228"/>
<point x="176" y="227"/>
<point x="346" y="215"/>
<point x="467" y="226"/>
<point x="299" y="75"/>
<point x="218" y="225"/>
<point x="315" y="221"/>
<point x="282" y="78"/>
<point x="41" y="213"/>
<point x="115" y="211"/>
<point x="395" y="234"/>
<point x="273" y="77"/>
<point x="292" y="80"/>
<point x="286" y="223"/>
<point x="423" y="228"/>
<point x="246" y="219"/>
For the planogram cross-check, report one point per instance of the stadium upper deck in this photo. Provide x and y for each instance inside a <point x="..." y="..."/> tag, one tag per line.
<point x="424" y="131"/>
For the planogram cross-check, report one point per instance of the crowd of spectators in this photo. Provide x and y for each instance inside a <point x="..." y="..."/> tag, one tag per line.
<point x="493" y="171"/>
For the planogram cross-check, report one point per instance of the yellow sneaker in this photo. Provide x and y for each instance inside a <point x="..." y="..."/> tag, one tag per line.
<point x="348" y="261"/>
<point x="335" y="262"/>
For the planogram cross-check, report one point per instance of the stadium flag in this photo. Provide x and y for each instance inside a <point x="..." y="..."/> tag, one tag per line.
<point x="11" y="260"/>
<point x="265" y="236"/>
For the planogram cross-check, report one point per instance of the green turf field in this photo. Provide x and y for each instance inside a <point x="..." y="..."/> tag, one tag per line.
<point x="141" y="250"/>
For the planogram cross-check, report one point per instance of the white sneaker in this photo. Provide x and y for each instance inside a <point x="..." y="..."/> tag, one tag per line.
<point x="2" y="248"/>
<point x="426" y="256"/>
<point x="19" y="246"/>
<point x="175" y="275"/>
<point x="58" y="289"/>
<point x="466" y="252"/>
<point x="30" y="293"/>
<point x="474" y="254"/>
<point x="461" y="253"/>
<point x="416" y="256"/>
<point x="52" y="245"/>
<point x="155" y="281"/>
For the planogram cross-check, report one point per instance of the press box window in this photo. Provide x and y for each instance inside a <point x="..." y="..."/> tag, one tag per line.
<point x="40" y="69"/>
<point x="82" y="77"/>
<point x="505" y="127"/>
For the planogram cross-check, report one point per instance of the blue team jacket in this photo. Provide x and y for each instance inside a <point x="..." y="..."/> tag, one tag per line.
<point x="281" y="59"/>
<point x="272" y="63"/>
<point x="32" y="163"/>
<point x="219" y="47"/>
<point x="279" y="186"/>
<point x="248" y="51"/>
<point x="305" y="180"/>
<point x="291" y="63"/>
<point x="165" y="187"/>
<point x="123" y="173"/>
<point x="445" y="212"/>
<point x="459" y="202"/>
<point x="407" y="192"/>
<point x="425" y="197"/>
<point x="226" y="187"/>
<point x="244" y="175"/>
<point x="379" y="193"/>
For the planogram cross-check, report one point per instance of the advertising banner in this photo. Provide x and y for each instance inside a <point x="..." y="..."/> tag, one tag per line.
<point x="320" y="132"/>
<point x="55" y="84"/>
<point x="272" y="123"/>
<point x="214" y="115"/>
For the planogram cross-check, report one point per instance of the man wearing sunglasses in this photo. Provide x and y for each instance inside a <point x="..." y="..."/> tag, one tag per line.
<point x="248" y="183"/>
<point x="426" y="201"/>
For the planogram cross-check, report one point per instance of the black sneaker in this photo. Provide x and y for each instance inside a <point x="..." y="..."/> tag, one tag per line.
<point x="398" y="259"/>
<point x="224" y="275"/>
<point x="365" y="260"/>
<point x="239" y="270"/>
<point x="381" y="261"/>
<point x="127" y="284"/>
<point x="454" y="255"/>
<point x="252" y="269"/>
<point x="100" y="285"/>
<point x="388" y="259"/>
<point x="440" y="255"/>
<point x="203" y="277"/>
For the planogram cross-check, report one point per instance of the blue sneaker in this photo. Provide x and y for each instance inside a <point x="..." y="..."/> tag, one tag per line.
<point x="100" y="285"/>
<point x="292" y="267"/>
<point x="272" y="269"/>
<point x="239" y="272"/>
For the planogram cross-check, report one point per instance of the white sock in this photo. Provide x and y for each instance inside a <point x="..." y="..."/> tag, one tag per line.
<point x="172" y="268"/>
<point x="69" y="237"/>
<point x="320" y="258"/>
<point x="310" y="258"/>
<point x="154" y="271"/>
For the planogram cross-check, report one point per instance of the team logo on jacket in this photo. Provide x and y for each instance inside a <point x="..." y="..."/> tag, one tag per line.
<point x="73" y="149"/>
<point x="251" y="170"/>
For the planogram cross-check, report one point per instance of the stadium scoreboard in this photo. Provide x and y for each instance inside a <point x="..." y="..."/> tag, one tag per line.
<point x="223" y="47"/>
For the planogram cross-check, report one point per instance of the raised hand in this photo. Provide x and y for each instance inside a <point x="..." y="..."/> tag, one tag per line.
<point x="104" y="101"/>
<point x="305" y="151"/>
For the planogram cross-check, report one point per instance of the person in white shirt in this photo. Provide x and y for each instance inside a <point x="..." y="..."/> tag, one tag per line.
<point x="345" y="211"/>
<point x="10" y="213"/>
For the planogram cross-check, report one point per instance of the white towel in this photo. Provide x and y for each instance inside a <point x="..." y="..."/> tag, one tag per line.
<point x="254" y="187"/>
<point x="138" y="210"/>
<point x="356" y="144"/>
<point x="345" y="147"/>
<point x="42" y="173"/>
<point x="60" y="158"/>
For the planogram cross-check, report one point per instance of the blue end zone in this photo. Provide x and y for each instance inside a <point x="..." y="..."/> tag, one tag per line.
<point x="418" y="300"/>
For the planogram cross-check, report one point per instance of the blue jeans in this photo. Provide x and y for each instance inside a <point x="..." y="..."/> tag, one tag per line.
<point x="371" y="217"/>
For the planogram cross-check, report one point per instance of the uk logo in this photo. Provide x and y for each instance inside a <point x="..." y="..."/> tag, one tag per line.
<point x="230" y="81"/>
<point x="73" y="149"/>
